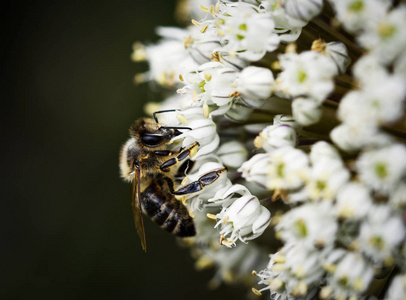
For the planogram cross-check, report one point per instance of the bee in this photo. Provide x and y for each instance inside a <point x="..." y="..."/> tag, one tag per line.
<point x="149" y="161"/>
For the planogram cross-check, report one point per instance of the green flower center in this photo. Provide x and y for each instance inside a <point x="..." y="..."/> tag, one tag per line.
<point x="280" y="169"/>
<point x="356" y="6"/>
<point x="301" y="76"/>
<point x="301" y="227"/>
<point x="201" y="85"/>
<point x="381" y="170"/>
<point x="386" y="31"/>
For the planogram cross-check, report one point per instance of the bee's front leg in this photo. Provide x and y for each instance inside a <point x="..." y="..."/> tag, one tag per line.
<point x="188" y="152"/>
<point x="198" y="185"/>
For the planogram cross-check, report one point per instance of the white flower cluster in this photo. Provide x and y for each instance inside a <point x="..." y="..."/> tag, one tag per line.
<point x="277" y="115"/>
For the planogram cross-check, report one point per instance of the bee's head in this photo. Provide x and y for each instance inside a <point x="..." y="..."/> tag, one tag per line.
<point x="150" y="134"/>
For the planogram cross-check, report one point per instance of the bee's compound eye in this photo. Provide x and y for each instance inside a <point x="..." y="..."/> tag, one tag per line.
<point x="152" y="140"/>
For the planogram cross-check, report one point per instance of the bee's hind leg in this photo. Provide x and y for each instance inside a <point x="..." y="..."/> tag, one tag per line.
<point x="198" y="185"/>
<point x="188" y="152"/>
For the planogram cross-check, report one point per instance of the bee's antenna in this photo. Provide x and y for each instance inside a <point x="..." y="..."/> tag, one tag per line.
<point x="162" y="111"/>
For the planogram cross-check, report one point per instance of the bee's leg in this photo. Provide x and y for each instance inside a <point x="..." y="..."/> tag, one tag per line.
<point x="191" y="151"/>
<point x="198" y="185"/>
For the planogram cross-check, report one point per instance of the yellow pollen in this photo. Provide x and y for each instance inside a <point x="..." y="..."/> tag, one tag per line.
<point x="204" y="262"/>
<point x="220" y="32"/>
<point x="217" y="8"/>
<point x="258" y="142"/>
<point x="193" y="151"/>
<point x="254" y="272"/>
<point x="207" y="76"/>
<point x="319" y="46"/>
<point x="186" y="179"/>
<point x="139" y="78"/>
<point x="228" y="276"/>
<point x="206" y="110"/>
<point x="194" y="22"/>
<point x="276" y="65"/>
<point x="203" y="30"/>
<point x="279" y="258"/>
<point x="181" y="118"/>
<point x="358" y="285"/>
<point x="181" y="77"/>
<point x="187" y="41"/>
<point x="194" y="96"/>
<point x="276" y="284"/>
<point x="211" y="216"/>
<point x="234" y="94"/>
<point x="325" y="292"/>
<point x="225" y="220"/>
<point x="331" y="268"/>
<point x="256" y="292"/>
<point x="211" y="9"/>
<point x="291" y="48"/>
<point x="205" y="9"/>
<point x="232" y="54"/>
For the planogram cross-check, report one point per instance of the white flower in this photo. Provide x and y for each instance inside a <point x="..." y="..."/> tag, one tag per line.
<point x="325" y="178"/>
<point x="311" y="225"/>
<point x="307" y="74"/>
<point x="256" y="169"/>
<point x="353" y="201"/>
<point x="228" y="195"/>
<point x="398" y="196"/>
<point x="276" y="136"/>
<point x="245" y="219"/>
<point x="339" y="54"/>
<point x="386" y="37"/>
<point x="351" y="137"/>
<point x="255" y="85"/>
<point x="293" y="270"/>
<point x="306" y="111"/>
<point x="247" y="31"/>
<point x="322" y="150"/>
<point x="351" y="276"/>
<point x="379" y="102"/>
<point x="354" y="14"/>
<point x="202" y="129"/>
<point x="232" y="154"/>
<point x="286" y="169"/>
<point x="303" y="10"/>
<point x="168" y="59"/>
<point x="383" y="169"/>
<point x="397" y="289"/>
<point x="212" y="83"/>
<point x="380" y="234"/>
<point x="287" y="27"/>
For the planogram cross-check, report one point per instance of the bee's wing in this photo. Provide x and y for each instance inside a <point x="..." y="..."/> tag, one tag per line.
<point x="135" y="196"/>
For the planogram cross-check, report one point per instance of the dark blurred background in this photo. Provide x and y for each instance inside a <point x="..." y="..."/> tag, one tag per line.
<point x="67" y="101"/>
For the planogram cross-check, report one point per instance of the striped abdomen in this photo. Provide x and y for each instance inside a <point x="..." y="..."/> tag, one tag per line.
<point x="166" y="211"/>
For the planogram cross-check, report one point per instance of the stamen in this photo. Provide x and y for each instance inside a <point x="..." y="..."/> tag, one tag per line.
<point x="212" y="9"/>
<point x="194" y="22"/>
<point x="203" y="30"/>
<point x="256" y="292"/>
<point x="203" y="8"/>
<point x="211" y="216"/>
<point x="217" y="8"/>
<point x="181" y="118"/>
<point x="206" y="110"/>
